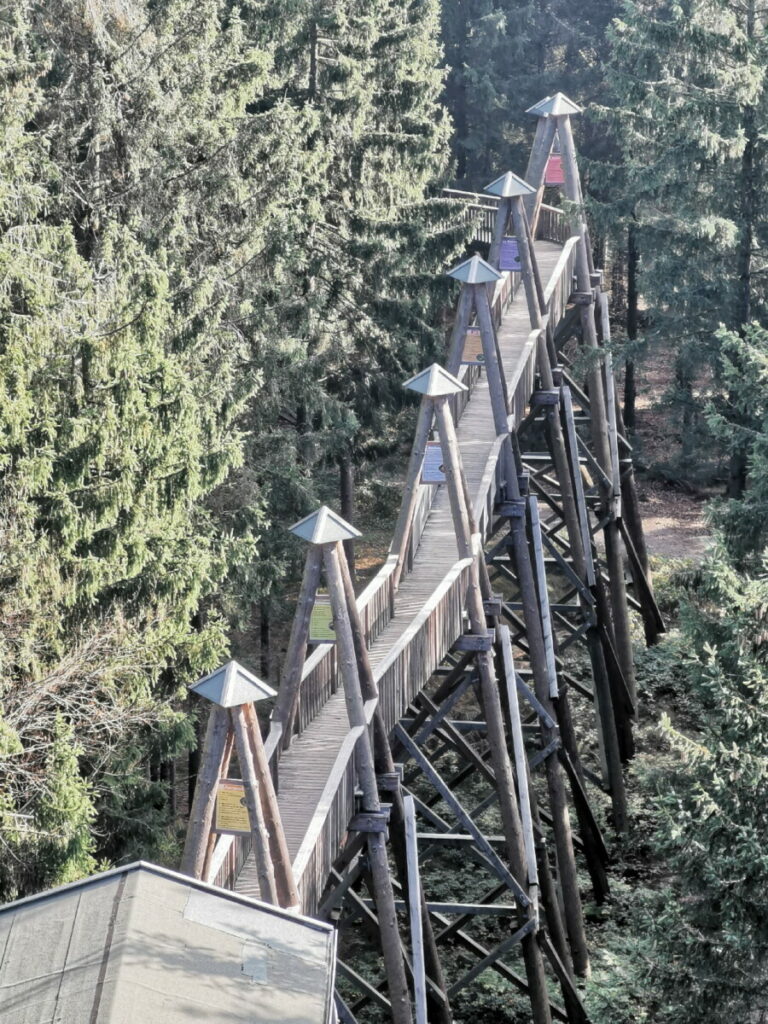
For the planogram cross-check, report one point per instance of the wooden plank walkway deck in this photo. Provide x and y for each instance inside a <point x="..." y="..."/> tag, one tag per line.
<point x="306" y="767"/>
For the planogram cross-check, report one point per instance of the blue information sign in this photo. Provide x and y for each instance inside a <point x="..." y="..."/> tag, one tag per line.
<point x="509" y="254"/>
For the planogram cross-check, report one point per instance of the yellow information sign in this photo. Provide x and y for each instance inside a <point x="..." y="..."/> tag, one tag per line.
<point x="473" y="347"/>
<point x="321" y="621"/>
<point x="231" y="808"/>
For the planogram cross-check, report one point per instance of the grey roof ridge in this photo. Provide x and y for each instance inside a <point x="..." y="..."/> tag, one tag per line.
<point x="174" y="876"/>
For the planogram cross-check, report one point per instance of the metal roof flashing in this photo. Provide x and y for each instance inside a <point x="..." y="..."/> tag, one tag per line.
<point x="144" y="942"/>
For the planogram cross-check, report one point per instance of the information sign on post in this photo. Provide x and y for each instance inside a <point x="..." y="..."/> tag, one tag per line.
<point x="432" y="471"/>
<point x="554" y="174"/>
<point x="509" y="254"/>
<point x="231" y="809"/>
<point x="321" y="629"/>
<point x="472" y="353"/>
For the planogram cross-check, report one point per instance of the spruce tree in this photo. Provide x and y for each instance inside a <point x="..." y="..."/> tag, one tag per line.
<point x="123" y="381"/>
<point x="690" y="89"/>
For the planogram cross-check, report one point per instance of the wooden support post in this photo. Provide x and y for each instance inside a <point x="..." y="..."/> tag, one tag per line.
<point x="495" y="372"/>
<point x="555" y="784"/>
<point x="518" y="746"/>
<point x="384" y="765"/>
<point x="549" y="895"/>
<point x="404" y="524"/>
<point x="459" y="330"/>
<point x="223" y="773"/>
<point x="414" y="909"/>
<point x="261" y="849"/>
<point x="290" y="683"/>
<point x="287" y="893"/>
<point x="537" y="165"/>
<point x="204" y="802"/>
<point x="490" y="695"/>
<point x="499" y="230"/>
<point x="624" y="488"/>
<point x="599" y="419"/>
<point x="526" y="262"/>
<point x="377" y="852"/>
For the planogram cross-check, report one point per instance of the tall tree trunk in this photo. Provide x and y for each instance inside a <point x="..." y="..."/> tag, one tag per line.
<point x="630" y="387"/>
<point x="264" y="640"/>
<point x="193" y="765"/>
<point x="347" y="501"/>
<point x="312" y="84"/>
<point x="685" y="392"/>
<point x="737" y="468"/>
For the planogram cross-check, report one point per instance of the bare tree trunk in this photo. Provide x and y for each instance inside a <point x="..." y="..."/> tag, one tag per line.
<point x="264" y="640"/>
<point x="630" y="387"/>
<point x="347" y="501"/>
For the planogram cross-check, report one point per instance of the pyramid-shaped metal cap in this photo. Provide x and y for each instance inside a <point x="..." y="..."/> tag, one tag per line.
<point x="474" y="271"/>
<point x="434" y="382"/>
<point x="508" y="185"/>
<point x="324" y="527"/>
<point x="231" y="685"/>
<point x="554" y="106"/>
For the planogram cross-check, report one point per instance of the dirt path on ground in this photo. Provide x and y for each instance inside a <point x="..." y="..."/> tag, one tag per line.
<point x="673" y="519"/>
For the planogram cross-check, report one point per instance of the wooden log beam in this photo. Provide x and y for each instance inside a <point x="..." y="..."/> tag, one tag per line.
<point x="382" y="882"/>
<point x="290" y="682"/>
<point x="204" y="802"/>
<point x="261" y="849"/>
<point x="287" y="893"/>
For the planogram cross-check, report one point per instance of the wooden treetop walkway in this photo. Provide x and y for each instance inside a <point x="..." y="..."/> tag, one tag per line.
<point x="509" y="439"/>
<point x="410" y="631"/>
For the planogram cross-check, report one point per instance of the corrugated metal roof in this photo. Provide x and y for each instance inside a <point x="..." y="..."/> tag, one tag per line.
<point x="143" y="944"/>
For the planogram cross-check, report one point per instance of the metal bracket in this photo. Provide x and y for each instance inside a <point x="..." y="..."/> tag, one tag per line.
<point x="476" y="641"/>
<point x="547" y="396"/>
<point x="390" y="782"/>
<point x="370" y="821"/>
<point x="513" y="509"/>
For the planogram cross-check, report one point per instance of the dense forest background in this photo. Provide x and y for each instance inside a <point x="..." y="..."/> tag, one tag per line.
<point x="222" y="239"/>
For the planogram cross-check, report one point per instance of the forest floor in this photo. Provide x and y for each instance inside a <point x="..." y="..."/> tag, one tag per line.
<point x="674" y="519"/>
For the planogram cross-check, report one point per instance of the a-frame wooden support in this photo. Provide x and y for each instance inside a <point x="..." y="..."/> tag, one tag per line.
<point x="233" y="690"/>
<point x="326" y="532"/>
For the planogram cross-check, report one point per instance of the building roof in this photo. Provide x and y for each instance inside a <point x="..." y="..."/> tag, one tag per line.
<point x="142" y="943"/>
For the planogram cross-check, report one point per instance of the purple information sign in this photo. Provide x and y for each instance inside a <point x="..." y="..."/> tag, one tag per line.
<point x="509" y="254"/>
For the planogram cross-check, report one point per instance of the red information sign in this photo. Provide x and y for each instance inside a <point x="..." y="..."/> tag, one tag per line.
<point x="554" y="174"/>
